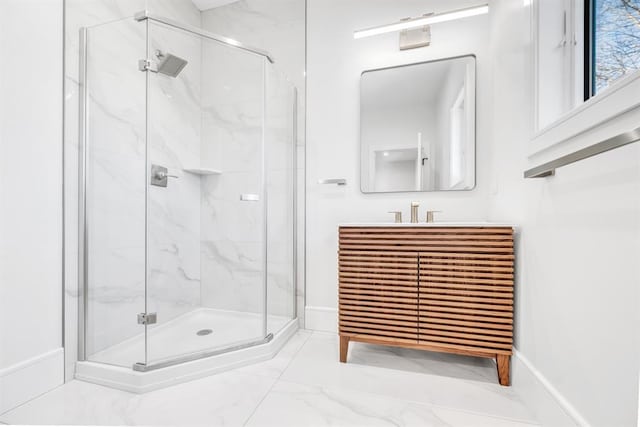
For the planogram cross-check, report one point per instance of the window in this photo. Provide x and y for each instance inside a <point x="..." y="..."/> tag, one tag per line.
<point x="587" y="71"/>
<point x="612" y="42"/>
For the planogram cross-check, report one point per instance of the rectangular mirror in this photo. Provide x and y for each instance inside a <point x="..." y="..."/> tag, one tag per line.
<point x="417" y="127"/>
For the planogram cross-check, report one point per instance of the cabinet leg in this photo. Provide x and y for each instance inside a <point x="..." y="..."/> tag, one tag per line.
<point x="503" y="368"/>
<point x="344" y="348"/>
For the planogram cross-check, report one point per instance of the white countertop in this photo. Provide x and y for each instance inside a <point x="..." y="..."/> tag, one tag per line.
<point x="430" y="224"/>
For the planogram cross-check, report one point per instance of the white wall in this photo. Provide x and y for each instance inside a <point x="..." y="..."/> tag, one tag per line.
<point x="578" y="249"/>
<point x="31" y="355"/>
<point x="334" y="62"/>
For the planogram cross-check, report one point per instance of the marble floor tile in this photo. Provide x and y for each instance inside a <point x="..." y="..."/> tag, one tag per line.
<point x="296" y="405"/>
<point x="317" y="364"/>
<point x="454" y="417"/>
<point x="424" y="362"/>
<point x="290" y="404"/>
<point x="75" y="402"/>
<point x="273" y="368"/>
<point x="304" y="385"/>
<point x="226" y="399"/>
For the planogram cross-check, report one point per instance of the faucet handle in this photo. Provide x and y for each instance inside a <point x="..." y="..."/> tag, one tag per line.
<point x="398" y="216"/>
<point x="430" y="215"/>
<point x="414" y="212"/>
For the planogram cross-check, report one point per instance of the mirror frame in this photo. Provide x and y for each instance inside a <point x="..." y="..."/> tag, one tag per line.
<point x="475" y="124"/>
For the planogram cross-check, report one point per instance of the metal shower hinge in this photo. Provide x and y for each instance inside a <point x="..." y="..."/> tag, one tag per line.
<point x="147" y="65"/>
<point x="147" y="318"/>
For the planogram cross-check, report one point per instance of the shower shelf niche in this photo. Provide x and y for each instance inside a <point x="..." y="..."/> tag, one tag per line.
<point x="203" y="171"/>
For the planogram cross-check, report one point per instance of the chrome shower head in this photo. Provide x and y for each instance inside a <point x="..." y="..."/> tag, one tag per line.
<point x="169" y="64"/>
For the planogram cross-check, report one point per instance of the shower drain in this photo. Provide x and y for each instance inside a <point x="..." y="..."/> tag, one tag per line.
<point x="203" y="332"/>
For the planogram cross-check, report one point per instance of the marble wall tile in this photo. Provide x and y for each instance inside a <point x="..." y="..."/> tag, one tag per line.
<point x="174" y="134"/>
<point x="280" y="175"/>
<point x="232" y="230"/>
<point x="277" y="26"/>
<point x="117" y="201"/>
<point x="180" y="10"/>
<point x="78" y="13"/>
<point x="115" y="198"/>
<point x="233" y="275"/>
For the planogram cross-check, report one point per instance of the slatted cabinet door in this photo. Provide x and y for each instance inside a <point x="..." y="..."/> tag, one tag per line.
<point x="378" y="298"/>
<point x="466" y="302"/>
<point x="466" y="298"/>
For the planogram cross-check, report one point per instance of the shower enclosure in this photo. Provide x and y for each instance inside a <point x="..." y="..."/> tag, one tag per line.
<point x="187" y="213"/>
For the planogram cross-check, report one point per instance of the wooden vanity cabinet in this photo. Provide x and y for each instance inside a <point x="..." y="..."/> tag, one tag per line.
<point x="447" y="289"/>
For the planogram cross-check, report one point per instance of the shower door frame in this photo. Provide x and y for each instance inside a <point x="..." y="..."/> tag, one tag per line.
<point x="83" y="273"/>
<point x="146" y="15"/>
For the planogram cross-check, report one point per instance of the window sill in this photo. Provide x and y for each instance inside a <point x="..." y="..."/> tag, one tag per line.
<point x="556" y="139"/>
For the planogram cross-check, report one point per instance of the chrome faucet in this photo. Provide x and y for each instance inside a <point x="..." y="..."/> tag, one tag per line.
<point x="398" y="216"/>
<point x="430" y="215"/>
<point x="414" y="212"/>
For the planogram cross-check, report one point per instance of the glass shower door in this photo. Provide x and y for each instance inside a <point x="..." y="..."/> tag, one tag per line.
<point x="206" y="200"/>
<point x="280" y="145"/>
<point x="112" y="196"/>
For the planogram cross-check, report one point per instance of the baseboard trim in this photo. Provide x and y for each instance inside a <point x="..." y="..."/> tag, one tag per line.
<point x="28" y="379"/>
<point x="321" y="319"/>
<point x="553" y="408"/>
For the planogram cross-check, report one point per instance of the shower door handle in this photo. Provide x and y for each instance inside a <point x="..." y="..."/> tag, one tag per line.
<point x="250" y="197"/>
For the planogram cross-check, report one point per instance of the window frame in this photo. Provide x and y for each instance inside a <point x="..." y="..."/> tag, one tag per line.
<point x="602" y="114"/>
<point x="588" y="51"/>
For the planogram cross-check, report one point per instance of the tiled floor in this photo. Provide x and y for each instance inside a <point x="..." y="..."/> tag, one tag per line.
<point x="304" y="385"/>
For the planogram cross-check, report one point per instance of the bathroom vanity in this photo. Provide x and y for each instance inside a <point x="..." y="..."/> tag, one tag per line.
<point x="445" y="287"/>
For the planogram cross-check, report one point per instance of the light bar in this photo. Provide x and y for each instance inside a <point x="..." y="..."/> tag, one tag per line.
<point x="425" y="20"/>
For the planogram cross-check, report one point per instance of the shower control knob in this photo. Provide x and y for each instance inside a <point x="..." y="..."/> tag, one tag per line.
<point x="160" y="176"/>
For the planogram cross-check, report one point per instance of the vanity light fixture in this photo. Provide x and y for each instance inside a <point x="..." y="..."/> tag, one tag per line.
<point x="423" y="21"/>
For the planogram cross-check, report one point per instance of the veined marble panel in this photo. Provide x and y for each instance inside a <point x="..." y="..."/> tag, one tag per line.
<point x="174" y="126"/>
<point x="115" y="197"/>
<point x="277" y="26"/>
<point x="232" y="229"/>
<point x="116" y="275"/>
<point x="78" y="13"/>
<point x="280" y="175"/>
<point x="232" y="275"/>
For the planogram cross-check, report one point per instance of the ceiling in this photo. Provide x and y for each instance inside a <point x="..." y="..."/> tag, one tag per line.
<point x="210" y="4"/>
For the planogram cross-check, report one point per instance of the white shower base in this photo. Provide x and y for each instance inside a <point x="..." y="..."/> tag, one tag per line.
<point x="178" y="337"/>
<point x="113" y="366"/>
